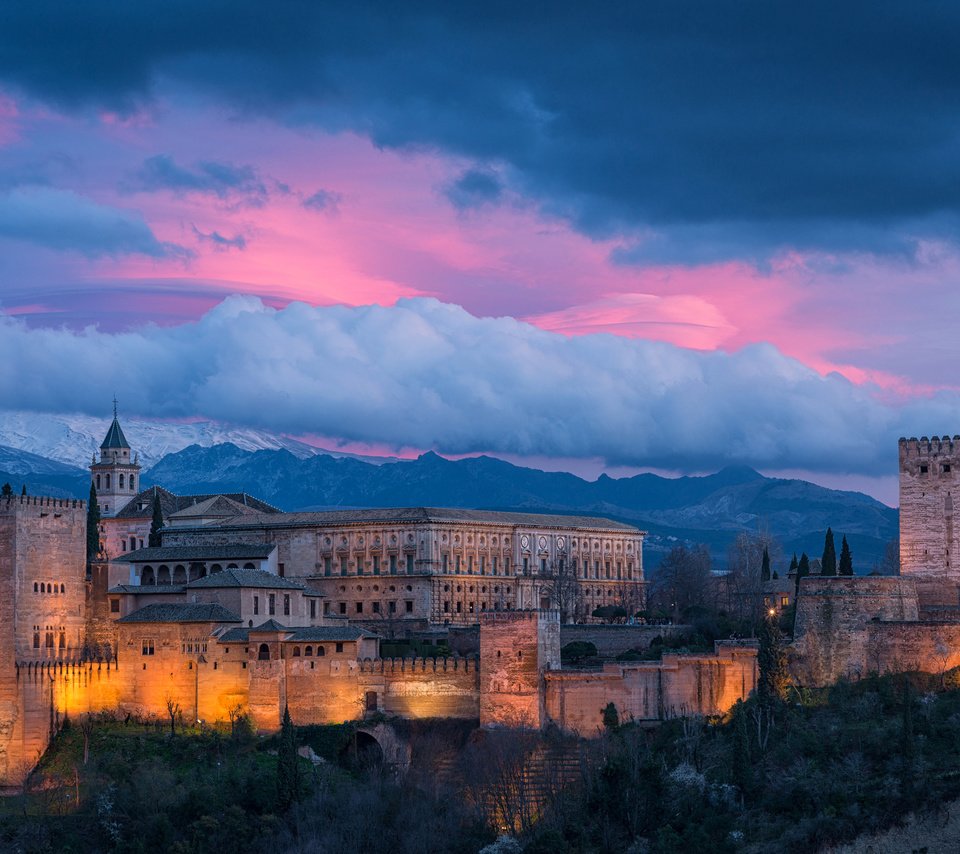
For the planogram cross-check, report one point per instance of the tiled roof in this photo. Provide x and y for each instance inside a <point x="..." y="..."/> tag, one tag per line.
<point x="170" y="503"/>
<point x="270" y="626"/>
<point x="415" y="515"/>
<point x="185" y="554"/>
<point x="217" y="505"/>
<point x="244" y="578"/>
<point x="141" y="589"/>
<point x="114" y="437"/>
<point x="171" y="612"/>
<point x="313" y="634"/>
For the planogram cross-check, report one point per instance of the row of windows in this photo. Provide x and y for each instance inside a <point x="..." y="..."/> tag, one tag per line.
<point x="507" y="606"/>
<point x="375" y="607"/>
<point x="180" y="574"/>
<point x="132" y="482"/>
<point x="459" y="566"/>
<point x="44" y="587"/>
<point x="48" y="638"/>
<point x="944" y="467"/>
<point x="272" y="605"/>
<point x="263" y="653"/>
<point x="374" y="566"/>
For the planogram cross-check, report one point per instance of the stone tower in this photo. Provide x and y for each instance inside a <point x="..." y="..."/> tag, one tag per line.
<point x="116" y="476"/>
<point x="929" y="540"/>
<point x="516" y="648"/>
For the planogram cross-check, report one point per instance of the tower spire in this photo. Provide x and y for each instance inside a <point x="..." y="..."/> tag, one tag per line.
<point x="114" y="406"/>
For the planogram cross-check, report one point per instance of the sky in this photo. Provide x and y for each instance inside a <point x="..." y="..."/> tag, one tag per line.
<point x="666" y="236"/>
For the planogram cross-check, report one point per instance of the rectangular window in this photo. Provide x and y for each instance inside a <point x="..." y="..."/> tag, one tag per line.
<point x="494" y="567"/>
<point x="376" y="607"/>
<point x="280" y="569"/>
<point x="327" y="566"/>
<point x="313" y="608"/>
<point x="459" y="607"/>
<point x="445" y="563"/>
<point x="114" y="606"/>
<point x="607" y="568"/>
<point x="526" y="566"/>
<point x="543" y="566"/>
<point x="273" y="604"/>
<point x="326" y="607"/>
<point x="339" y="646"/>
<point x="946" y="468"/>
<point x="409" y="606"/>
<point x="784" y="601"/>
<point x="359" y="607"/>
<point x="393" y="608"/>
<point x="456" y="568"/>
<point x="256" y="604"/>
<point x="409" y="564"/>
<point x="446" y="607"/>
<point x="923" y="469"/>
<point x="393" y="564"/>
<point x="286" y="604"/>
<point x="343" y="607"/>
<point x="359" y="563"/>
<point x="596" y="569"/>
<point x="376" y="564"/>
<point x="470" y="564"/>
<point x="146" y="646"/>
<point x="343" y="566"/>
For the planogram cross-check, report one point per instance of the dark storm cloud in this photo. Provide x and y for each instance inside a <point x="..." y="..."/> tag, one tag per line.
<point x="668" y="121"/>
<point x="474" y="188"/>
<point x="222" y="180"/>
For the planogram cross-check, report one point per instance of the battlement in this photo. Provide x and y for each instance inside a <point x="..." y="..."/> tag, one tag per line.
<point x="17" y="503"/>
<point x="928" y="447"/>
<point x="441" y="664"/>
<point x="544" y="616"/>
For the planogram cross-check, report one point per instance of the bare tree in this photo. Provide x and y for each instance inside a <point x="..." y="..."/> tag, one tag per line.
<point x="560" y="584"/>
<point x="890" y="565"/>
<point x="174" y="711"/>
<point x="744" y="582"/>
<point x="682" y="580"/>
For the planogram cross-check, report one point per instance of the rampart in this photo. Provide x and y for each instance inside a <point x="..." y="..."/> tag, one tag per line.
<point x="676" y="686"/>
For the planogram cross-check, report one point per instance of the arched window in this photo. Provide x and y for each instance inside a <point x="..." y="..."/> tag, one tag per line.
<point x="36" y="587"/>
<point x="249" y="566"/>
<point x="321" y="650"/>
<point x="308" y="652"/>
<point x="63" y="588"/>
<point x="107" y="478"/>
<point x="163" y="575"/>
<point x="63" y="640"/>
<point x="133" y="544"/>
<point x="133" y="487"/>
<point x="216" y="568"/>
<point x="146" y="576"/>
<point x="296" y="652"/>
<point x="232" y="566"/>
<point x="48" y="640"/>
<point x="43" y="587"/>
<point x="98" y="483"/>
<point x="264" y="653"/>
<point x="36" y="640"/>
<point x="121" y="480"/>
<point x="180" y="574"/>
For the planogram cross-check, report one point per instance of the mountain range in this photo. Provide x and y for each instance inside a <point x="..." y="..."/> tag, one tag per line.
<point x="710" y="509"/>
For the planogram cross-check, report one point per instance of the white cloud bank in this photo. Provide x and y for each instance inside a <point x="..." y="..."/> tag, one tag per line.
<point x="425" y="374"/>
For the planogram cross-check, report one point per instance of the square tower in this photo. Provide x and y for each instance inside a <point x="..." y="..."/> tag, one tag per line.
<point x="516" y="648"/>
<point x="929" y="540"/>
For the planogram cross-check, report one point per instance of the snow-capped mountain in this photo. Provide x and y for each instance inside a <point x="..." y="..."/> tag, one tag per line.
<point x="73" y="439"/>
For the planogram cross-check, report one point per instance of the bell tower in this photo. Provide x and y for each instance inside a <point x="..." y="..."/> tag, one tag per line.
<point x="116" y="476"/>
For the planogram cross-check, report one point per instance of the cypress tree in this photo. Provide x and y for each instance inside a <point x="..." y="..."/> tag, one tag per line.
<point x="793" y="565"/>
<point x="23" y="489"/>
<point x="6" y="490"/>
<point x="157" y="522"/>
<point x="765" y="566"/>
<point x="288" y="782"/>
<point x="845" y="567"/>
<point x="803" y="568"/>
<point x="772" y="662"/>
<point x="93" y="525"/>
<point x="908" y="745"/>
<point x="829" y="560"/>
<point x="742" y="765"/>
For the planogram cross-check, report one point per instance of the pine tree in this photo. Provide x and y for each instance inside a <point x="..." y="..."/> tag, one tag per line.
<point x="23" y="490"/>
<point x="6" y="490"/>
<point x="845" y="567"/>
<point x="288" y="771"/>
<point x="93" y="525"/>
<point x="157" y="523"/>
<point x="742" y="765"/>
<point x="793" y="565"/>
<point x="803" y="569"/>
<point x="765" y="566"/>
<point x="772" y="662"/>
<point x="829" y="560"/>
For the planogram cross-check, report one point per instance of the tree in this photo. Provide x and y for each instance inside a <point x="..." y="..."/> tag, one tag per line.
<point x="829" y="560"/>
<point x="93" y="525"/>
<point x="765" y="565"/>
<point x="173" y="711"/>
<point x="845" y="567"/>
<point x="6" y="491"/>
<point x="157" y="523"/>
<point x="803" y="569"/>
<point x="681" y="581"/>
<point x="560" y="584"/>
<point x="742" y="765"/>
<point x="23" y="490"/>
<point x="772" y="661"/>
<point x="288" y="771"/>
<point x="890" y="565"/>
<point x="611" y="717"/>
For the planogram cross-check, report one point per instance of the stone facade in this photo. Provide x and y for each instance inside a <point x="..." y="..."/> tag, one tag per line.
<point x="929" y="540"/>
<point x="445" y="566"/>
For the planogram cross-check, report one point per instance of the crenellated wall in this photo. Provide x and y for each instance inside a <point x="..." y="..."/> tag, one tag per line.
<point x="676" y="686"/>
